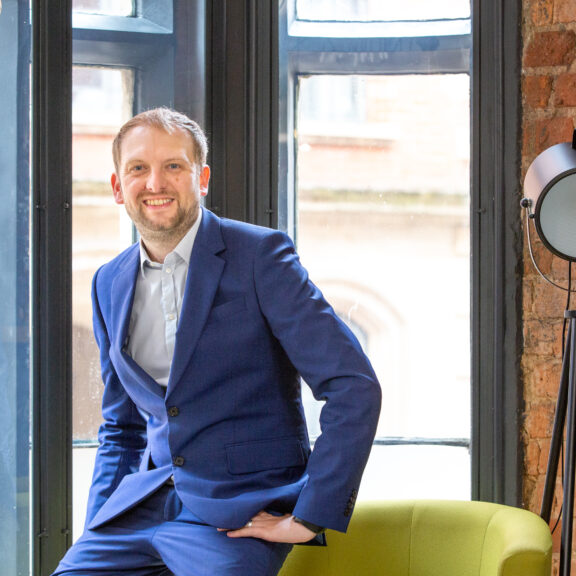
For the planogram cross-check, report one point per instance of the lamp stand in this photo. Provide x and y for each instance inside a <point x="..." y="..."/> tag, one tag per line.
<point x="565" y="414"/>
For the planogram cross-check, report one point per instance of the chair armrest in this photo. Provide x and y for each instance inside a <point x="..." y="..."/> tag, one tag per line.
<point x="505" y="554"/>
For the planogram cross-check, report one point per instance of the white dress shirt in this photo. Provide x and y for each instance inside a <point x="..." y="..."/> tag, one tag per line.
<point x="157" y="306"/>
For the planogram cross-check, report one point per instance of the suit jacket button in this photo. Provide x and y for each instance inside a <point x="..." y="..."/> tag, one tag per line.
<point x="173" y="411"/>
<point x="178" y="461"/>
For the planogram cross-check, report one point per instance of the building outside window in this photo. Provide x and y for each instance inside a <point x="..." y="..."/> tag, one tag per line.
<point x="380" y="197"/>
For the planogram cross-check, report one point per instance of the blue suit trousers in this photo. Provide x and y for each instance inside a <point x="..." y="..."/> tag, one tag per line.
<point x="160" y="537"/>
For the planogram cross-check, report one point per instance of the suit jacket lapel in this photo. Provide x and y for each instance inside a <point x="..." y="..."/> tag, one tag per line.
<point x="123" y="288"/>
<point x="204" y="274"/>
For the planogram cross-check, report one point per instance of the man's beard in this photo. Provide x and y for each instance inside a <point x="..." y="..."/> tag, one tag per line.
<point x="176" y="227"/>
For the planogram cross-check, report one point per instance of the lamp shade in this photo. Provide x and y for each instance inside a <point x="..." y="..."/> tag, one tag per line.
<point x="550" y="185"/>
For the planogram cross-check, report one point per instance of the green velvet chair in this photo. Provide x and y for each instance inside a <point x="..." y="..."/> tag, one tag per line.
<point x="430" y="538"/>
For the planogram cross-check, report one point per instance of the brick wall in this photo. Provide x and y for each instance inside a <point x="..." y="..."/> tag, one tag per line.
<point x="549" y="112"/>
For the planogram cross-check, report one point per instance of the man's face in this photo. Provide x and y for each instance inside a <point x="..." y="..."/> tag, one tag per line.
<point x="159" y="182"/>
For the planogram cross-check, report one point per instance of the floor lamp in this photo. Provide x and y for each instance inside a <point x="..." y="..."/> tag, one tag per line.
<point x="550" y="203"/>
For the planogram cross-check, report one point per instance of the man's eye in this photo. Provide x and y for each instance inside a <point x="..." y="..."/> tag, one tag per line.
<point x="173" y="165"/>
<point x="136" y="168"/>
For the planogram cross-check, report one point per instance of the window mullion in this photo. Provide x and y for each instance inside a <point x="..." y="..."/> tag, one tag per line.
<point x="51" y="275"/>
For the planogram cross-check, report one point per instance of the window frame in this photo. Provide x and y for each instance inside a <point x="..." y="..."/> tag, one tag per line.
<point x="145" y="44"/>
<point x="51" y="281"/>
<point x="496" y="397"/>
<point x="497" y="257"/>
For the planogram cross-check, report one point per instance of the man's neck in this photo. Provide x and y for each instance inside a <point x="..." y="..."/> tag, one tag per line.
<point x="158" y="244"/>
<point x="158" y="248"/>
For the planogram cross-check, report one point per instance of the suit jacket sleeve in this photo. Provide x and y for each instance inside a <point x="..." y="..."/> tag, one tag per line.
<point x="122" y="435"/>
<point x="332" y="363"/>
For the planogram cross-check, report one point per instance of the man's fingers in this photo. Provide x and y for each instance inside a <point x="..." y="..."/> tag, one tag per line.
<point x="273" y="528"/>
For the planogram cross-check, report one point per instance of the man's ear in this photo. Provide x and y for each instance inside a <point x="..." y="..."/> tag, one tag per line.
<point x="117" y="189"/>
<point x="204" y="180"/>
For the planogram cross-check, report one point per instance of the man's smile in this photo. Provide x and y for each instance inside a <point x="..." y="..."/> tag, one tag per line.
<point x="158" y="201"/>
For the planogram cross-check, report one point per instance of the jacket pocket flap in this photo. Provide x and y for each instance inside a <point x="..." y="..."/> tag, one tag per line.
<point x="249" y="457"/>
<point x="228" y="308"/>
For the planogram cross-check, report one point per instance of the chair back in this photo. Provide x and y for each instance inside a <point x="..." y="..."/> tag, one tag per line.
<point x="430" y="538"/>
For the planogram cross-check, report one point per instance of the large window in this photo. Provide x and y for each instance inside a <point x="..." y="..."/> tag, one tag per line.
<point x="357" y="94"/>
<point x="379" y="202"/>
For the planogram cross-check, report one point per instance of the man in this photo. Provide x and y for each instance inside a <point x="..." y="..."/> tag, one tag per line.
<point x="204" y="328"/>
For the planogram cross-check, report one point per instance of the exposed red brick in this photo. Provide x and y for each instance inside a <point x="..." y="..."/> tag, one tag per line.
<point x="542" y="383"/>
<point x="565" y="92"/>
<point x="553" y="48"/>
<point x="531" y="495"/>
<point x="532" y="454"/>
<point x="543" y="338"/>
<point x="565" y="11"/>
<point x="559" y="270"/>
<point x="544" y="258"/>
<point x="548" y="302"/>
<point x="547" y="132"/>
<point x="537" y="90"/>
<point x="542" y="12"/>
<point x="544" y="446"/>
<point x="539" y="419"/>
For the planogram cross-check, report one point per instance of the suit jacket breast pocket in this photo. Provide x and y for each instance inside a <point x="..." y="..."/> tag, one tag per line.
<point x="262" y="455"/>
<point x="227" y="309"/>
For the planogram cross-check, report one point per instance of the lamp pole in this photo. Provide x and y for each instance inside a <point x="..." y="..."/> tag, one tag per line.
<point x="565" y="414"/>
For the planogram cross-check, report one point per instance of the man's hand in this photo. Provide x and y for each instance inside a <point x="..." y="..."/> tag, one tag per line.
<point x="273" y="529"/>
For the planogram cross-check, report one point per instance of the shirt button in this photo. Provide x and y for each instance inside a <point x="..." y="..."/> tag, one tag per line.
<point x="168" y="270"/>
<point x="178" y="461"/>
<point x="173" y="411"/>
<point x="171" y="316"/>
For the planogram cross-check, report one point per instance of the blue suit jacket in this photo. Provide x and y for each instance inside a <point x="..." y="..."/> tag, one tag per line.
<point x="229" y="426"/>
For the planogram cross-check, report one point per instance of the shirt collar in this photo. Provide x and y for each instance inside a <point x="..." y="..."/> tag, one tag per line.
<point x="183" y="249"/>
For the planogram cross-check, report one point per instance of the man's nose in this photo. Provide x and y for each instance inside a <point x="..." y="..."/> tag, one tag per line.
<point x="156" y="181"/>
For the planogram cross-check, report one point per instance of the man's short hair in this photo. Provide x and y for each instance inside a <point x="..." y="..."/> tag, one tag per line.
<point x="168" y="120"/>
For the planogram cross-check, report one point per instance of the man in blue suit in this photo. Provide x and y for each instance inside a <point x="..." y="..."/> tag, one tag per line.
<point x="204" y="329"/>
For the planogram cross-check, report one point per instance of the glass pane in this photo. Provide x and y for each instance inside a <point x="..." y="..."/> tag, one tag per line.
<point x="379" y="10"/>
<point x="383" y="227"/>
<point x="14" y="289"/>
<point x="102" y="102"/>
<point x="104" y="7"/>
<point x="417" y="471"/>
